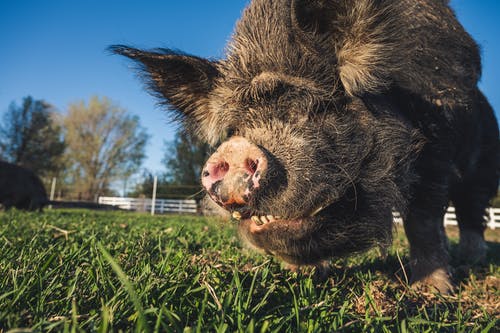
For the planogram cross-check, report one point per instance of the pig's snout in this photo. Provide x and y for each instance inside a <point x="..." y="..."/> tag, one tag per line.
<point x="233" y="173"/>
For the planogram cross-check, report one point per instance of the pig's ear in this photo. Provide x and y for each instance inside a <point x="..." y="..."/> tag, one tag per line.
<point x="182" y="82"/>
<point x="312" y="22"/>
<point x="364" y="35"/>
<point x="312" y="18"/>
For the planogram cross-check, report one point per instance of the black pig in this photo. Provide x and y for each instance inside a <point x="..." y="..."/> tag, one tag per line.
<point x="21" y="188"/>
<point x="329" y="115"/>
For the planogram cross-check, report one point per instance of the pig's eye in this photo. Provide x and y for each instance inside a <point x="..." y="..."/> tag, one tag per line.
<point x="230" y="132"/>
<point x="226" y="134"/>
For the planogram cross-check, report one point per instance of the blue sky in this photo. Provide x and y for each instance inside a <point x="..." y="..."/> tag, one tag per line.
<point x="55" y="50"/>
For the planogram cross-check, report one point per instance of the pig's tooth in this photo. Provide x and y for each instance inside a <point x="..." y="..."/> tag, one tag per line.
<point x="237" y="215"/>
<point x="256" y="220"/>
<point x="271" y="218"/>
<point x="264" y="219"/>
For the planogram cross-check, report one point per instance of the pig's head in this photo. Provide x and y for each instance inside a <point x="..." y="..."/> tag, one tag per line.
<point x="306" y="167"/>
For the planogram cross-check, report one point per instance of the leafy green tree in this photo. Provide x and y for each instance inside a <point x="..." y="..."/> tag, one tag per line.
<point x="105" y="143"/>
<point x="185" y="158"/>
<point x="31" y="137"/>
<point x="165" y="189"/>
<point x="145" y="185"/>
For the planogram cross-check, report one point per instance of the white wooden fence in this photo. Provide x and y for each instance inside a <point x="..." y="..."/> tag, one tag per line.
<point x="144" y="205"/>
<point x="492" y="217"/>
<point x="190" y="206"/>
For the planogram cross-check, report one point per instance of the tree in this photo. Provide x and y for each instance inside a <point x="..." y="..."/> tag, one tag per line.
<point x="105" y="143"/>
<point x="185" y="158"/>
<point x="144" y="187"/>
<point x="30" y="137"/>
<point x="164" y="188"/>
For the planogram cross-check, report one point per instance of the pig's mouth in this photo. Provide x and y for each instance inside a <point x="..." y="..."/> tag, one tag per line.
<point x="295" y="240"/>
<point x="259" y="222"/>
<point x="324" y="231"/>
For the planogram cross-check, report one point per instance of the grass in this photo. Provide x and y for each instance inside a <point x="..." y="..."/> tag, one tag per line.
<point x="76" y="271"/>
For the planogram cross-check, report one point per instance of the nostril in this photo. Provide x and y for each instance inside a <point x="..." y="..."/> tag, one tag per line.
<point x="251" y="165"/>
<point x="223" y="167"/>
<point x="217" y="170"/>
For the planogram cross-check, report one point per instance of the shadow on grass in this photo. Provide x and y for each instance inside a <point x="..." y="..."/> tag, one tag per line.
<point x="396" y="269"/>
<point x="462" y="271"/>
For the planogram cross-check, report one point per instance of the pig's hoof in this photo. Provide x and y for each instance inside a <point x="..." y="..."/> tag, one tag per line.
<point x="437" y="281"/>
<point x="322" y="272"/>
<point x="472" y="247"/>
<point x="292" y="267"/>
<point x="319" y="272"/>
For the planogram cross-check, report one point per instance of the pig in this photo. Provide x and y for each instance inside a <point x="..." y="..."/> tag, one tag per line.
<point x="329" y="115"/>
<point x="21" y="188"/>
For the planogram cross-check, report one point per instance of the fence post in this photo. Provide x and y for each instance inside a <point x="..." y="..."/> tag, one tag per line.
<point x="154" y="196"/>
<point x="52" y="190"/>
<point x="491" y="222"/>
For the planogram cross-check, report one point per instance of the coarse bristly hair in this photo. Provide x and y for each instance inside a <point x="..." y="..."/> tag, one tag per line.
<point x="21" y="188"/>
<point x="360" y="106"/>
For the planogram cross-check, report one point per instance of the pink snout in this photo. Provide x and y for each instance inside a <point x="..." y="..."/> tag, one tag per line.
<point x="233" y="173"/>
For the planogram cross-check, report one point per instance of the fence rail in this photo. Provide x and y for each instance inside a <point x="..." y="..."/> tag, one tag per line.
<point x="492" y="217"/>
<point x="190" y="206"/>
<point x="144" y="205"/>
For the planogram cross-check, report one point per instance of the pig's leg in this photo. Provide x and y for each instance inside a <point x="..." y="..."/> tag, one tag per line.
<point x="471" y="197"/>
<point x="472" y="194"/>
<point x="423" y="219"/>
<point x="8" y="204"/>
<point x="470" y="203"/>
<point x="428" y="249"/>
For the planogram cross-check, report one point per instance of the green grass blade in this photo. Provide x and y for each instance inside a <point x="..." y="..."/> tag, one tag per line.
<point x="141" y="320"/>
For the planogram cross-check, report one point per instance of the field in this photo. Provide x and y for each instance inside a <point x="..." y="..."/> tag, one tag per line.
<point x="100" y="271"/>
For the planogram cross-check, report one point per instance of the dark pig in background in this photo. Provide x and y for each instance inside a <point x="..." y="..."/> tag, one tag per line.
<point x="21" y="188"/>
<point x="330" y="114"/>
